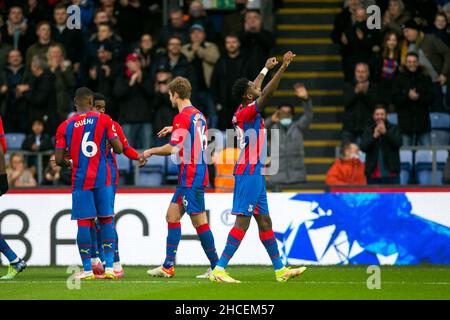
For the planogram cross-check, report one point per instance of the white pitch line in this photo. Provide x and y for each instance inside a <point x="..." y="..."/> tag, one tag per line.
<point x="204" y="282"/>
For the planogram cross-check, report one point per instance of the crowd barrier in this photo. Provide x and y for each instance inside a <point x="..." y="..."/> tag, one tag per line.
<point x="343" y="226"/>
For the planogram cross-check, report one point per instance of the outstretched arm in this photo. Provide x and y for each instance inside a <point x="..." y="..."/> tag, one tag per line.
<point x="165" y="150"/>
<point x="273" y="84"/>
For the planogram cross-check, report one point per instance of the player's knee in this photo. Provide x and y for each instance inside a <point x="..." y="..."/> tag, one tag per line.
<point x="264" y="223"/>
<point x="242" y="224"/>
<point x="172" y="219"/>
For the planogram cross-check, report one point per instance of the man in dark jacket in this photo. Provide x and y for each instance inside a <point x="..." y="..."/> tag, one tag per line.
<point x="412" y="96"/>
<point x="133" y="89"/>
<point x="257" y="43"/>
<point x="40" y="94"/>
<point x="230" y="67"/>
<point x="381" y="142"/>
<point x="359" y="99"/>
<point x="176" y="28"/>
<point x="433" y="55"/>
<point x="71" y="39"/>
<point x="176" y="62"/>
<point x="17" y="31"/>
<point x="37" y="140"/>
<point x="15" y="114"/>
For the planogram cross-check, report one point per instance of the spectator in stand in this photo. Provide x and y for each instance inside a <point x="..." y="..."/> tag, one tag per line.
<point x="198" y="16"/>
<point x="16" y="114"/>
<point x="87" y="9"/>
<point x="394" y="17"/>
<point x="257" y="43"/>
<point x="446" y="10"/>
<point x="385" y="66"/>
<point x="231" y="66"/>
<point x="291" y="154"/>
<point x="134" y="90"/>
<point x="18" y="173"/>
<point x="104" y="34"/>
<point x="440" y="28"/>
<point x="40" y="94"/>
<point x="433" y="55"/>
<point x="146" y="51"/>
<point x="100" y="17"/>
<point x="203" y="55"/>
<point x="16" y="30"/>
<point x="164" y="112"/>
<point x="413" y="95"/>
<point x="102" y="75"/>
<point x="56" y="175"/>
<point x="233" y="23"/>
<point x="176" y="28"/>
<point x="44" y="41"/>
<point x="176" y="62"/>
<point x="131" y="20"/>
<point x="5" y="48"/>
<point x="381" y="142"/>
<point x="65" y="81"/>
<point x="37" y="140"/>
<point x="342" y="23"/>
<point x="109" y="7"/>
<point x="37" y="11"/>
<point x="359" y="98"/>
<point x="348" y="169"/>
<point x="71" y="39"/>
<point x="362" y="41"/>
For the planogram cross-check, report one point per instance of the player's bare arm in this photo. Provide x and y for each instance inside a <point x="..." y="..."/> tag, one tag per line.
<point x="61" y="160"/>
<point x="165" y="150"/>
<point x="273" y="84"/>
<point x="116" y="145"/>
<point x="270" y="64"/>
<point x="165" y="131"/>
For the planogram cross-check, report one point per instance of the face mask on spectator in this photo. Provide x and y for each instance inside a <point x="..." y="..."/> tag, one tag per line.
<point x="354" y="156"/>
<point x="286" y="122"/>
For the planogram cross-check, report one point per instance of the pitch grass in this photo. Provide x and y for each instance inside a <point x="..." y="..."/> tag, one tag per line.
<point x="258" y="282"/>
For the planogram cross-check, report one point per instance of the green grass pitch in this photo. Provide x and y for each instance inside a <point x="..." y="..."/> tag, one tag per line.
<point x="258" y="282"/>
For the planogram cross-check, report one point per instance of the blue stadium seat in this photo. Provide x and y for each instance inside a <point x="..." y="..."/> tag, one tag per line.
<point x="392" y="118"/>
<point x="406" y="164"/>
<point x="171" y="169"/>
<point x="14" y="140"/>
<point x="440" y="121"/>
<point x="440" y="137"/>
<point x="424" y="162"/>
<point x="151" y="175"/>
<point x="124" y="167"/>
<point x="441" y="159"/>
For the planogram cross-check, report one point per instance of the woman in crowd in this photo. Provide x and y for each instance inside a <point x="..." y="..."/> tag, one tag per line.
<point x="18" y="174"/>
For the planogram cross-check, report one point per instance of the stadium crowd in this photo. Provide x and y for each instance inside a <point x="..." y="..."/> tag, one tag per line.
<point x="401" y="69"/>
<point x="125" y="52"/>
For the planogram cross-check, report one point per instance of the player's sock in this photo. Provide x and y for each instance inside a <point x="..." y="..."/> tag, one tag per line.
<point x="101" y="253"/>
<point x="94" y="251"/>
<point x="207" y="240"/>
<point x="7" y="251"/>
<point x="173" y="239"/>
<point x="269" y="241"/>
<point x="84" y="243"/>
<point x="116" y="244"/>
<point x="233" y="241"/>
<point x="108" y="239"/>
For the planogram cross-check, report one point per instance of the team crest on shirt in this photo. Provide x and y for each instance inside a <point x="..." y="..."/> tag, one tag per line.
<point x="250" y="208"/>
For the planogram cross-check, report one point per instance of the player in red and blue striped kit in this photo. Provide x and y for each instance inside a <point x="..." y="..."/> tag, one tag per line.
<point x="250" y="198"/>
<point x="84" y="136"/>
<point x="132" y="154"/>
<point x="16" y="264"/>
<point x="189" y="139"/>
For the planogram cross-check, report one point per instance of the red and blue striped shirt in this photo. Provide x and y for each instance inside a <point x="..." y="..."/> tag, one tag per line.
<point x="251" y="133"/>
<point x="84" y="136"/>
<point x="190" y="135"/>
